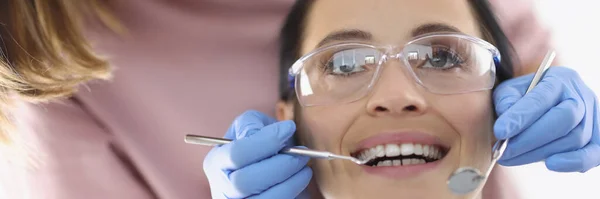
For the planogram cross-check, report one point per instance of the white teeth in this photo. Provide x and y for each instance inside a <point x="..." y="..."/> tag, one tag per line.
<point x="426" y="150"/>
<point x="380" y="151"/>
<point x="367" y="154"/>
<point x="407" y="149"/>
<point x="415" y="161"/>
<point x="403" y="162"/>
<point x="392" y="150"/>
<point x="406" y="162"/>
<point x="418" y="149"/>
<point x="387" y="163"/>
<point x="373" y="152"/>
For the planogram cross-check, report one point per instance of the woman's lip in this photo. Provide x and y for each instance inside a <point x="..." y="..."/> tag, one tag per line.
<point x="396" y="172"/>
<point x="395" y="138"/>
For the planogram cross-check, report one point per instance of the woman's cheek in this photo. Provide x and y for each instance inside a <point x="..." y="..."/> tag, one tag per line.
<point x="324" y="127"/>
<point x="473" y="119"/>
<point x="470" y="114"/>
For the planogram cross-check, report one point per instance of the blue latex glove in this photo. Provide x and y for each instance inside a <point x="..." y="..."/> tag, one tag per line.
<point x="557" y="122"/>
<point x="250" y="166"/>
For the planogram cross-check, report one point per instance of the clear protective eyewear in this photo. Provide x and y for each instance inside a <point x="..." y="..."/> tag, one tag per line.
<point x="443" y="63"/>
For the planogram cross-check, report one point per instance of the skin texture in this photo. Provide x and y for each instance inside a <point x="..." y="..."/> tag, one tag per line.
<point x="466" y="129"/>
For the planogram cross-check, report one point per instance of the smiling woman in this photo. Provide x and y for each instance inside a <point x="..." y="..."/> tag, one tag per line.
<point x="402" y="114"/>
<point x="407" y="81"/>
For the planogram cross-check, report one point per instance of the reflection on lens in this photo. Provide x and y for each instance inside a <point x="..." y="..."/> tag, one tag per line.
<point x="443" y="64"/>
<point x="349" y="61"/>
<point x="339" y="74"/>
<point x="446" y="64"/>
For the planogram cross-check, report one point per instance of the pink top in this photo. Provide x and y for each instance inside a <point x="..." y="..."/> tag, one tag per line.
<point x="187" y="66"/>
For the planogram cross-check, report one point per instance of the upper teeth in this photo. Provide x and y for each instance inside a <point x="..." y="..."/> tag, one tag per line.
<point x="406" y="149"/>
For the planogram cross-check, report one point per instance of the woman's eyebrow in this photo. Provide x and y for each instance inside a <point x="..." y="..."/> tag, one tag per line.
<point x="343" y="35"/>
<point x="355" y="34"/>
<point x="433" y="28"/>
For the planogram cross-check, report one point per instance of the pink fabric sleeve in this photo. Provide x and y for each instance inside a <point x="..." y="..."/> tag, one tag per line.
<point x="72" y="157"/>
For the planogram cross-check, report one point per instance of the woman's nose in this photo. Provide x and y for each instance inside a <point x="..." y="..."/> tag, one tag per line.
<point x="396" y="93"/>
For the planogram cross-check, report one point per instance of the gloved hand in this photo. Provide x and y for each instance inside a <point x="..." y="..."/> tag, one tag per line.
<point x="250" y="166"/>
<point x="558" y="121"/>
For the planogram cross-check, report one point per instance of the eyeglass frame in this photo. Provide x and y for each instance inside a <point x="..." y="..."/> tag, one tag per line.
<point x="296" y="68"/>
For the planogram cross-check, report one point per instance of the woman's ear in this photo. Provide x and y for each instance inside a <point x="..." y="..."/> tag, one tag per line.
<point x="284" y="110"/>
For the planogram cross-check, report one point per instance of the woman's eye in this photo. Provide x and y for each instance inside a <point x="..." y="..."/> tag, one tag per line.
<point x="348" y="62"/>
<point x="345" y="68"/>
<point x="442" y="58"/>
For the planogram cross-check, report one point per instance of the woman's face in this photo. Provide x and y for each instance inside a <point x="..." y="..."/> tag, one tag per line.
<point x="397" y="111"/>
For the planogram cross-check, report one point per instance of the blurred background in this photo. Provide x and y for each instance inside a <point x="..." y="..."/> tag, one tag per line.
<point x="577" y="41"/>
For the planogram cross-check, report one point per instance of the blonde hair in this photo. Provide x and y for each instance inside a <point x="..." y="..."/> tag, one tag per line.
<point x="44" y="54"/>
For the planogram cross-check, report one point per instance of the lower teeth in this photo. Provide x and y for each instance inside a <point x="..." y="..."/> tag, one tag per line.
<point x="403" y="162"/>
